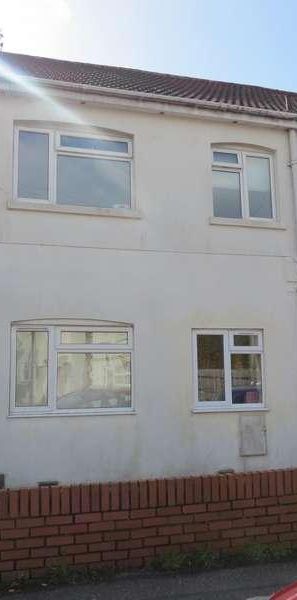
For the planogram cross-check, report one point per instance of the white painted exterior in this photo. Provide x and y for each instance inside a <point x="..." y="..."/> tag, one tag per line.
<point x="169" y="270"/>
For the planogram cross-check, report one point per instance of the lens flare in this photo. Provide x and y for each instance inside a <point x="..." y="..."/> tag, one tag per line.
<point x="28" y="85"/>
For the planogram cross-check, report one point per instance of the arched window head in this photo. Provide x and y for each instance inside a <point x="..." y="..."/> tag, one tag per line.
<point x="66" y="368"/>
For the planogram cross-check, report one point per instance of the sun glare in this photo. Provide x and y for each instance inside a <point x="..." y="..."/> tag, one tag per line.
<point x="63" y="113"/>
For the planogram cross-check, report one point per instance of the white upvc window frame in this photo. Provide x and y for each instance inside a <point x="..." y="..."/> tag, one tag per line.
<point x="241" y="168"/>
<point x="90" y="151"/>
<point x="229" y="348"/>
<point x="55" y="150"/>
<point x="55" y="347"/>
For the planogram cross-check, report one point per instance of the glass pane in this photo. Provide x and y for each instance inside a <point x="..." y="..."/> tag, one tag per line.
<point x="211" y="377"/>
<point x="33" y="165"/>
<point x="94" y="380"/>
<point x="225" y="157"/>
<point x="86" y="181"/>
<point x="71" y="141"/>
<point x="226" y="194"/>
<point x="245" y="340"/>
<point x="246" y="378"/>
<point x="259" y="187"/>
<point x="31" y="368"/>
<point x="94" y="337"/>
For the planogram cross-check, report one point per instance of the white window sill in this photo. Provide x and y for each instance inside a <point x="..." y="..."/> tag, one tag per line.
<point x="255" y="223"/>
<point x="125" y="213"/>
<point x="71" y="413"/>
<point x="229" y="409"/>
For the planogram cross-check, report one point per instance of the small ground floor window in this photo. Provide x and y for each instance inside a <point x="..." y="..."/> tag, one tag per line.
<point x="228" y="369"/>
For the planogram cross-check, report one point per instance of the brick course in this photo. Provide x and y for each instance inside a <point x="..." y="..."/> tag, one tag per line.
<point x="127" y="524"/>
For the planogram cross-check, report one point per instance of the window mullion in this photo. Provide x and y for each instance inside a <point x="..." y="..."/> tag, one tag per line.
<point x="16" y="163"/>
<point x="13" y="370"/>
<point x="52" y="369"/>
<point x="272" y="188"/>
<point x="227" y="364"/>
<point x="52" y="171"/>
<point x="244" y="189"/>
<point x="263" y="382"/>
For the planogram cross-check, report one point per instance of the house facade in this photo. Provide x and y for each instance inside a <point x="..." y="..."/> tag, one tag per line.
<point x="148" y="274"/>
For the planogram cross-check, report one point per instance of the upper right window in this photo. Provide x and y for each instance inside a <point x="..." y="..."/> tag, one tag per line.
<point x="242" y="185"/>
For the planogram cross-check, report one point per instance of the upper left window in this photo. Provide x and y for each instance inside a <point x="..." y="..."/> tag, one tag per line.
<point x="66" y="169"/>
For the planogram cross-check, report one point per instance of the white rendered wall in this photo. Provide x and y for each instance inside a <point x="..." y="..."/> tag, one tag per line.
<point x="166" y="273"/>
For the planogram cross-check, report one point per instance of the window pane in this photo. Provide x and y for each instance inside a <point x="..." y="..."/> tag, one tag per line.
<point x="245" y="340"/>
<point x="94" y="380"/>
<point x="225" y="157"/>
<point x="71" y="141"/>
<point x="31" y="368"/>
<point x="226" y="194"/>
<point x="33" y="165"/>
<point x="259" y="187"/>
<point x="94" y="337"/>
<point x="211" y="378"/>
<point x="94" y="182"/>
<point x="246" y="378"/>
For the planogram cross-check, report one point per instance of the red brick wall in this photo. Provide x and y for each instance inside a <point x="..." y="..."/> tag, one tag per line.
<point x="127" y="524"/>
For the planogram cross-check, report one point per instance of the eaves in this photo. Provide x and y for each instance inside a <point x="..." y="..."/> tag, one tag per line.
<point x="151" y="103"/>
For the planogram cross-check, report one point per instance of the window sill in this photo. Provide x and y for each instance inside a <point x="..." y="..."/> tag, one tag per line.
<point x="72" y="413"/>
<point x="230" y="409"/>
<point x="121" y="213"/>
<point x="255" y="223"/>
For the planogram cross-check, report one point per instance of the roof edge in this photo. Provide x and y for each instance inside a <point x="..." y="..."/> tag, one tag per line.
<point x="191" y="103"/>
<point x="163" y="99"/>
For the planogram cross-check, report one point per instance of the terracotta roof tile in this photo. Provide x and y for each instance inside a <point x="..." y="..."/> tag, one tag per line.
<point x="146" y="82"/>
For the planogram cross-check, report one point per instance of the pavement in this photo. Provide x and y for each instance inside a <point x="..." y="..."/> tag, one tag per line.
<point x="227" y="584"/>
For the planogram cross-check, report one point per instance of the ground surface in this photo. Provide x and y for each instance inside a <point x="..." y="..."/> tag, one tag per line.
<point x="227" y="584"/>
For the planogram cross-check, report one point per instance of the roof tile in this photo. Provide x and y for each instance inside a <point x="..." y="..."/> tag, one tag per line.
<point x="146" y="82"/>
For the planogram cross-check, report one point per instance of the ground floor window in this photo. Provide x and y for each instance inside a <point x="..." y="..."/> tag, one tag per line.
<point x="66" y="369"/>
<point x="228" y="369"/>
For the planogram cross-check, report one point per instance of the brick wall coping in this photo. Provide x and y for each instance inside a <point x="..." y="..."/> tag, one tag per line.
<point x="145" y="494"/>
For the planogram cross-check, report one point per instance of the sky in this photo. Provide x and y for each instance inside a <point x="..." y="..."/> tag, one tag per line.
<point x="245" y="41"/>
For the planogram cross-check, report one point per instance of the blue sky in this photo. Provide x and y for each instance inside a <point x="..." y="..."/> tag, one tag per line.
<point x="248" y="41"/>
